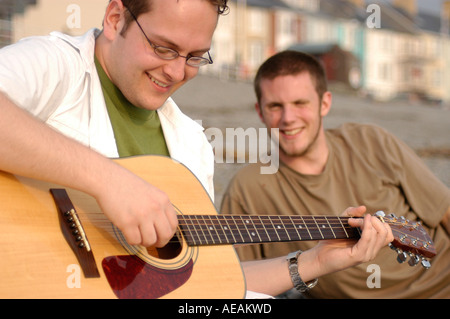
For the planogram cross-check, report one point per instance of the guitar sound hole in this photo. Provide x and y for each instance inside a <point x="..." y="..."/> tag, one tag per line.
<point x="170" y="251"/>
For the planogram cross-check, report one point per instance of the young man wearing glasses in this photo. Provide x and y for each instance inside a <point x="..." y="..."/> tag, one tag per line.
<point x="109" y="92"/>
<point x="106" y="104"/>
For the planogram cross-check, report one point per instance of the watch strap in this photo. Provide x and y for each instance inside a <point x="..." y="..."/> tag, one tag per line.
<point x="299" y="284"/>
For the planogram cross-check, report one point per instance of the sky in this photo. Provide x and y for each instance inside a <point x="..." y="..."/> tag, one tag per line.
<point x="433" y="6"/>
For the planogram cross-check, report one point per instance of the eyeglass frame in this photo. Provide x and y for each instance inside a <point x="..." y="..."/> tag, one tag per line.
<point x="176" y="54"/>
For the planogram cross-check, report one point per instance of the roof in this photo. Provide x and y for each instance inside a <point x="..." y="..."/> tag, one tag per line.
<point x="314" y="48"/>
<point x="264" y="3"/>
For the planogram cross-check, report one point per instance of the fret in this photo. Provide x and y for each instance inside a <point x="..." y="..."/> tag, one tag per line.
<point x="224" y="230"/>
<point x="343" y="227"/>
<point x="348" y="231"/>
<point x="228" y="228"/>
<point x="334" y="235"/>
<point x="274" y="230"/>
<point x="187" y="232"/>
<point x="318" y="227"/>
<point x="299" y="237"/>
<point x="253" y="231"/>
<point x="267" y="236"/>
<point x="213" y="230"/>
<point x="201" y="232"/>
<point x="324" y="227"/>
<point x="245" y="226"/>
<point x="284" y="231"/>
<point x="239" y="232"/>
<point x="197" y="229"/>
<point x="340" y="229"/>
<point x="307" y="228"/>
<point x="208" y="229"/>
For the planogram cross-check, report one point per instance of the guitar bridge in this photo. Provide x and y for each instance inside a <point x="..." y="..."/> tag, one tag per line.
<point x="74" y="233"/>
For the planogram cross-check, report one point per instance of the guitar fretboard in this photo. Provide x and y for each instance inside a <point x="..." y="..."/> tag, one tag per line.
<point x="201" y="230"/>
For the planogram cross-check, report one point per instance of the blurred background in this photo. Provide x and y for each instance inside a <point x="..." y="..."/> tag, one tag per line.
<point x="387" y="62"/>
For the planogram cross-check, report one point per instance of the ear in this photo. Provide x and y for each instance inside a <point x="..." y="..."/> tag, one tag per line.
<point x="326" y="103"/>
<point x="114" y="19"/>
<point x="259" y="111"/>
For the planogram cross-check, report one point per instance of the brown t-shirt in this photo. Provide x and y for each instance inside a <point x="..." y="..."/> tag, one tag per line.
<point x="366" y="166"/>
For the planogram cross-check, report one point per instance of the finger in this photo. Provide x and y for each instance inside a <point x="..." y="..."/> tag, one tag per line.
<point x="364" y="246"/>
<point x="166" y="227"/>
<point x="354" y="211"/>
<point x="383" y="230"/>
<point x="172" y="218"/>
<point x="148" y="234"/>
<point x="132" y="235"/>
<point x="376" y="235"/>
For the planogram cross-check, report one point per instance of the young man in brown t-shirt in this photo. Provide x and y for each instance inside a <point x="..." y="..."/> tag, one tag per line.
<point x="323" y="171"/>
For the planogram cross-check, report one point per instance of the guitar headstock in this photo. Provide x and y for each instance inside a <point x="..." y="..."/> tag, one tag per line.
<point x="410" y="239"/>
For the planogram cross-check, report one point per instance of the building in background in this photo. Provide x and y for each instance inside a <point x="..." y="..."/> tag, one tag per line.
<point x="402" y="55"/>
<point x="383" y="49"/>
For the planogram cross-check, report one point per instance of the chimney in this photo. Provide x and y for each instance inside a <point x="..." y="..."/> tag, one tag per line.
<point x="446" y="9"/>
<point x="445" y="17"/>
<point x="409" y="6"/>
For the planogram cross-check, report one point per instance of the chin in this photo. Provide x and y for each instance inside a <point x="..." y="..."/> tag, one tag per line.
<point x="151" y="103"/>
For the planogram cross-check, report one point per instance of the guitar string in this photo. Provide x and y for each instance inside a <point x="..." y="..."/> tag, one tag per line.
<point x="235" y="217"/>
<point x="271" y="232"/>
<point x="275" y="231"/>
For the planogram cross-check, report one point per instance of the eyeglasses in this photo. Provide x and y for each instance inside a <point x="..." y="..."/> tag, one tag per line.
<point x="170" y="54"/>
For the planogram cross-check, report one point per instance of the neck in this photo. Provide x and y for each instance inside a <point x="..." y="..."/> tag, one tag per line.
<point x="101" y="53"/>
<point x="234" y="229"/>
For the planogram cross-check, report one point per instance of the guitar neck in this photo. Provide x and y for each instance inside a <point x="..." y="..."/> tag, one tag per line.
<point x="201" y="230"/>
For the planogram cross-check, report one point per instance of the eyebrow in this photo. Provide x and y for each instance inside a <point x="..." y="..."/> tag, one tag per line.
<point x="173" y="45"/>
<point x="297" y="101"/>
<point x="301" y="101"/>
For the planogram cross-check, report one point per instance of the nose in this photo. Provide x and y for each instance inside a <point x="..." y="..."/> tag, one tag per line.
<point x="288" y="114"/>
<point x="175" y="69"/>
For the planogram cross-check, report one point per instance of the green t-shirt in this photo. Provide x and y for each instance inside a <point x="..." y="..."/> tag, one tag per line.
<point x="137" y="131"/>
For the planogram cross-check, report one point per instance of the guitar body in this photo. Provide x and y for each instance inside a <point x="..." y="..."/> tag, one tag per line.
<point x="36" y="260"/>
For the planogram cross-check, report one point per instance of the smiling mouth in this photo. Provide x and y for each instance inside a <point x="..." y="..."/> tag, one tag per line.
<point x="291" y="132"/>
<point x="158" y="83"/>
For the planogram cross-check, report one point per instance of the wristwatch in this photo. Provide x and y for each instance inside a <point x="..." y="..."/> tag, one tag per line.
<point x="299" y="284"/>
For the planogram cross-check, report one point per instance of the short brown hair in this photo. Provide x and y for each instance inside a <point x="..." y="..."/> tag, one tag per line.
<point x="291" y="63"/>
<point x="139" y="7"/>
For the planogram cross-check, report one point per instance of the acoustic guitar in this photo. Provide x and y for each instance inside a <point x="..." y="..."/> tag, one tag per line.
<point x="56" y="242"/>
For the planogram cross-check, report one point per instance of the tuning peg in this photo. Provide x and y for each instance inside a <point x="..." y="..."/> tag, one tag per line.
<point x="414" y="260"/>
<point x="401" y="256"/>
<point x="380" y="213"/>
<point x="426" y="264"/>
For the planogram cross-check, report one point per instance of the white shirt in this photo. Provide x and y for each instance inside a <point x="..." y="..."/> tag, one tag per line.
<point x="55" y="78"/>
